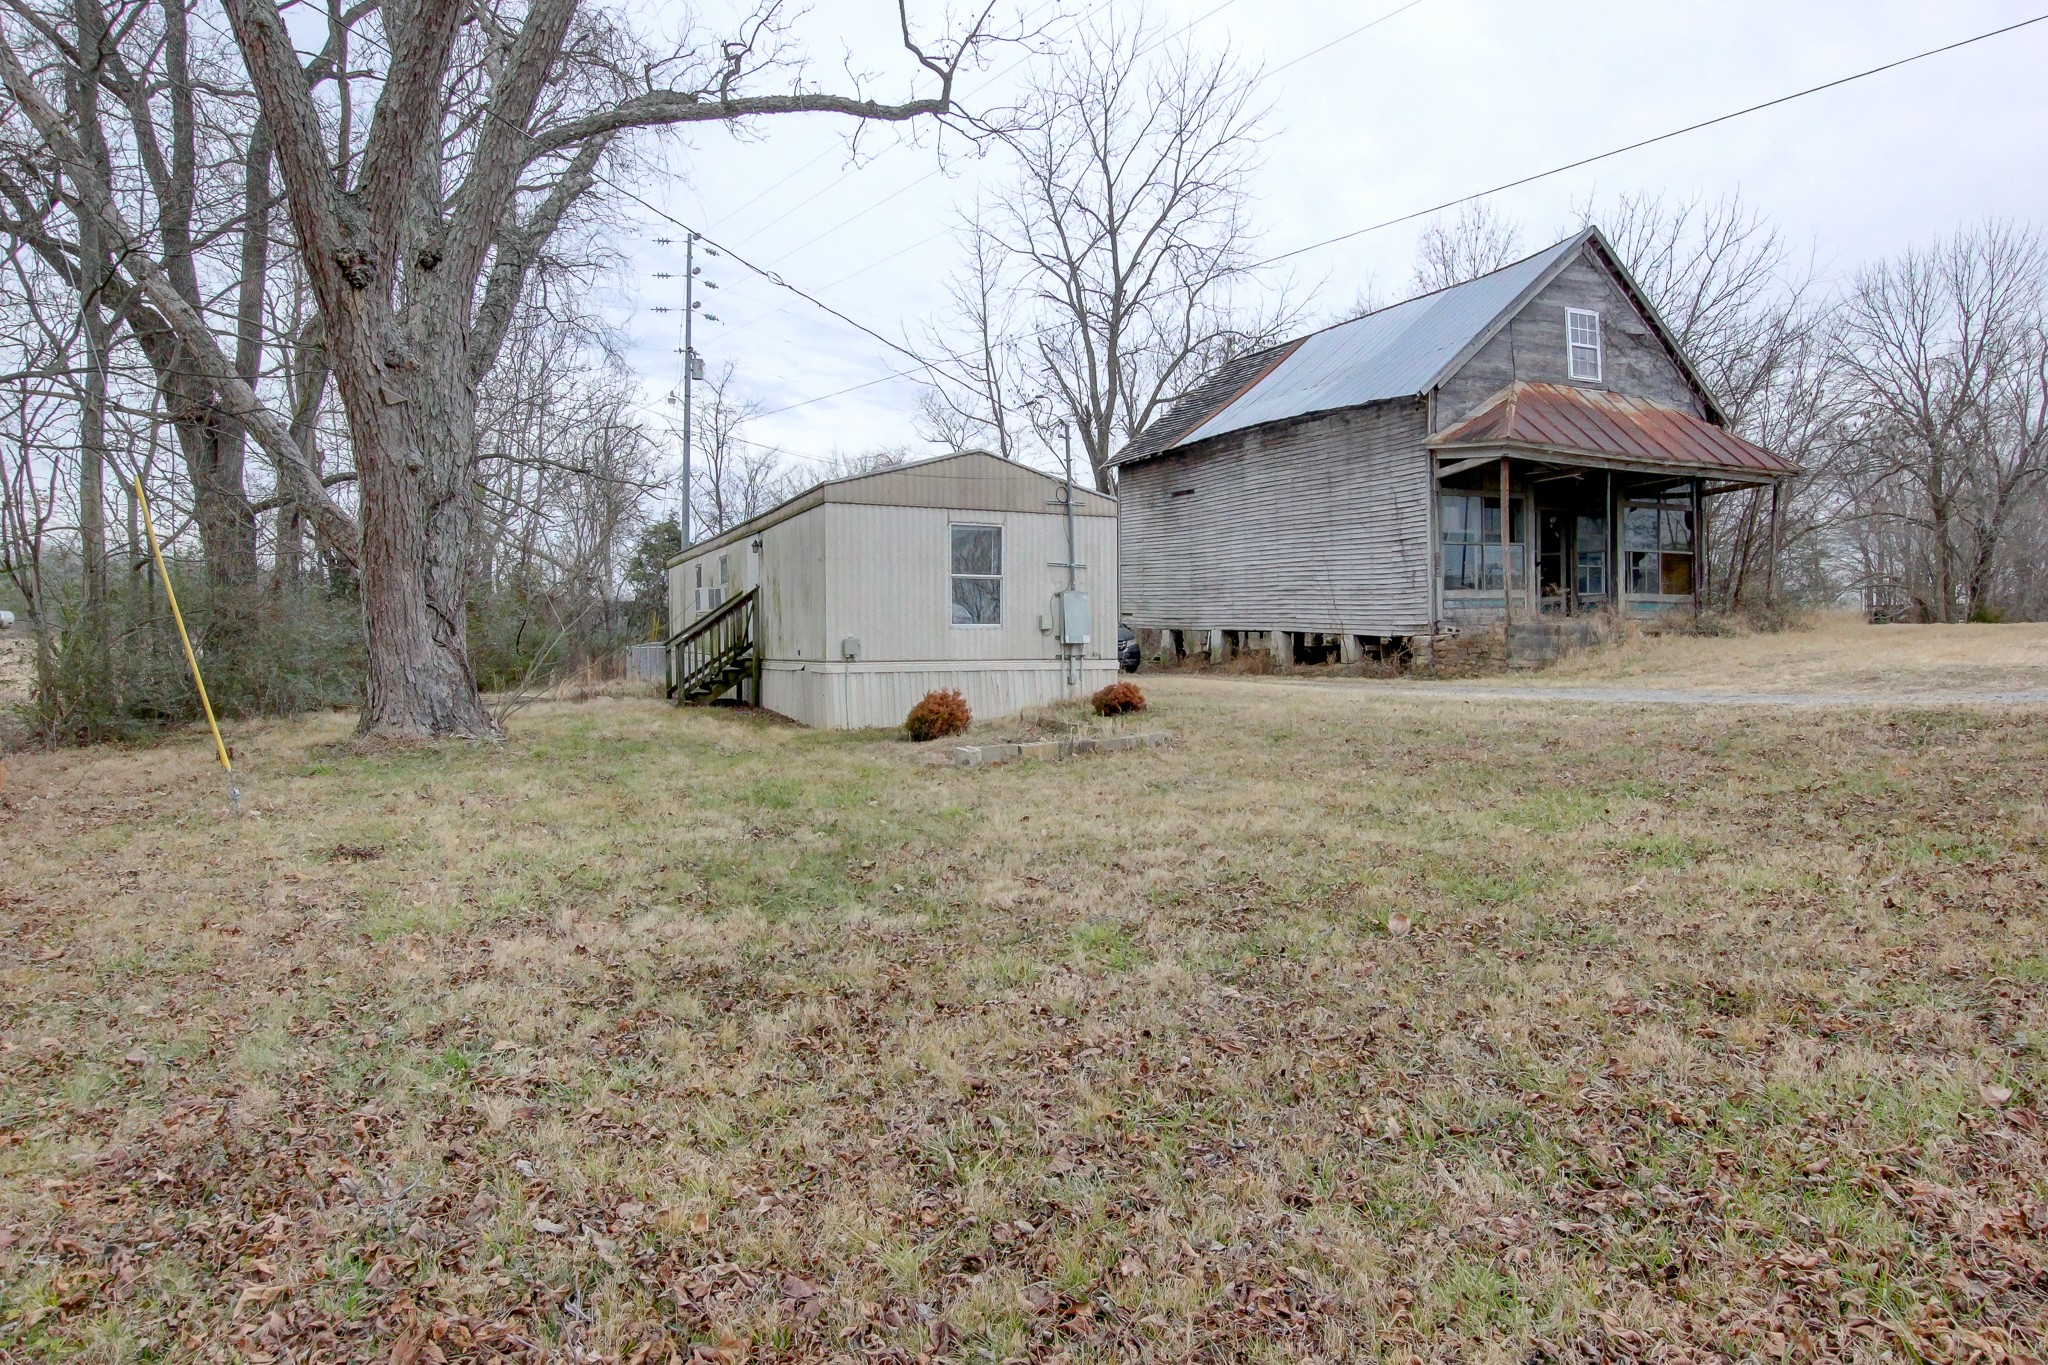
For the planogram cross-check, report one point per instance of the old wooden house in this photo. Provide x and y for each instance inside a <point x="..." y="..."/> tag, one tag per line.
<point x="844" y="605"/>
<point x="1344" y="492"/>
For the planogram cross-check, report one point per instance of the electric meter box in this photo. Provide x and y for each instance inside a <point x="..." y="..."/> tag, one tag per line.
<point x="1070" y="613"/>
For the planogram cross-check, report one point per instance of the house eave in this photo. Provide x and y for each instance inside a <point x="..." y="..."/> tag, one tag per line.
<point x="1587" y="459"/>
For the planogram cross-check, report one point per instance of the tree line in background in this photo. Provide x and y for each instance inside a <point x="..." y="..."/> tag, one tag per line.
<point x="1115" y="267"/>
<point x="330" y="311"/>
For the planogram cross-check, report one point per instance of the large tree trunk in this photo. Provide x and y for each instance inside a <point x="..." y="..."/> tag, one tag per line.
<point x="91" y="635"/>
<point x="405" y="431"/>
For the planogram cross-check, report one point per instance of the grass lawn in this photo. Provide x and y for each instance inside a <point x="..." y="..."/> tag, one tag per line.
<point x="1353" y="1025"/>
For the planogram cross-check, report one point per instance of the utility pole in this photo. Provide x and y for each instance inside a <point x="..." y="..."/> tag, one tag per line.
<point x="1067" y="497"/>
<point x="689" y="367"/>
<point x="693" y="364"/>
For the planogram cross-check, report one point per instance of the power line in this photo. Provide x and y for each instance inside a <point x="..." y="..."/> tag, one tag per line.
<point x="1151" y="47"/>
<point x="1644" y="142"/>
<point x="1182" y="31"/>
<point x="1340" y="38"/>
<point x="1502" y="188"/>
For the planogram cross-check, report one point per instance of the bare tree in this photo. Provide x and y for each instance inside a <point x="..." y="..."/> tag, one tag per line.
<point x="1722" y="279"/>
<point x="1118" y="257"/>
<point x="735" y="478"/>
<point x="416" y="248"/>
<point x="1478" y="241"/>
<point x="1946" y="357"/>
<point x="974" y="403"/>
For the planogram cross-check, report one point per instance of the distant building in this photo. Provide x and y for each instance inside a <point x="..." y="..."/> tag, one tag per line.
<point x="1343" y="491"/>
<point x="845" y="605"/>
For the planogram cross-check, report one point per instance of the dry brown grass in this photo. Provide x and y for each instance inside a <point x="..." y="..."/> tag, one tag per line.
<point x="653" y="1033"/>
<point x="1827" y="653"/>
<point x="17" y="667"/>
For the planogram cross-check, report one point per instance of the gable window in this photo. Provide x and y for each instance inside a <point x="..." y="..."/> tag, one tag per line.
<point x="1582" y="340"/>
<point x="1656" y="547"/>
<point x="977" y="573"/>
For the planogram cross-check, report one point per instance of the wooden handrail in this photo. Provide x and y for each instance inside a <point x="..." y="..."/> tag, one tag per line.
<point x="711" y="618"/>
<point x="713" y="643"/>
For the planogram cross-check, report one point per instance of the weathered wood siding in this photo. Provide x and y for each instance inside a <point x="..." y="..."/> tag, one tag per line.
<point x="1321" y="525"/>
<point x="1531" y="348"/>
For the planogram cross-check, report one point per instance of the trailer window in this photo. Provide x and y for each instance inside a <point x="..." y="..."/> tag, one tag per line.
<point x="977" y="574"/>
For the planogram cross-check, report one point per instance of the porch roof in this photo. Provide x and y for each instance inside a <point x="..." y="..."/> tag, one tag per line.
<point x="1594" y="426"/>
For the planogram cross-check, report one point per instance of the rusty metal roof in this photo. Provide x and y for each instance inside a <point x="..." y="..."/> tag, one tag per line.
<point x="1611" y="427"/>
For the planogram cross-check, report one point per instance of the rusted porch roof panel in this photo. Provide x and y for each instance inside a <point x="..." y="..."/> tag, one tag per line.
<point x="1614" y="426"/>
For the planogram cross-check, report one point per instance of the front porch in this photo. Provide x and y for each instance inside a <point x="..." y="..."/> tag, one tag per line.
<point x="1605" y="499"/>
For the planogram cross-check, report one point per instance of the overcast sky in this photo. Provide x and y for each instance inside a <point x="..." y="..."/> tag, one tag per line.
<point x="1444" y="99"/>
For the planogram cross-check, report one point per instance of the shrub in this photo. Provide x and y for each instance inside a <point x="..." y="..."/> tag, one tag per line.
<point x="940" y="714"/>
<point x="1118" y="699"/>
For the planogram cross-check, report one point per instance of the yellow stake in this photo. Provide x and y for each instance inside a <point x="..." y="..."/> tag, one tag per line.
<point x="156" y="551"/>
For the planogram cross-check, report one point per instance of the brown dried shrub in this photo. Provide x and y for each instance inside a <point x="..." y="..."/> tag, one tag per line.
<point x="1118" y="699"/>
<point x="940" y="714"/>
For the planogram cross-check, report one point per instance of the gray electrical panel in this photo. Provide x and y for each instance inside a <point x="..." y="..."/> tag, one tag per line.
<point x="1071" y="616"/>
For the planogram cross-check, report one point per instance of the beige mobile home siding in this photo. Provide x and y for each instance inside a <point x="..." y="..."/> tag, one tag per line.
<point x="1321" y="525"/>
<point x="878" y="572"/>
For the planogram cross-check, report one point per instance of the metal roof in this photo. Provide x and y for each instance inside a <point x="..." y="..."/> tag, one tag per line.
<point x="1614" y="428"/>
<point x="1222" y="387"/>
<point x="1397" y="352"/>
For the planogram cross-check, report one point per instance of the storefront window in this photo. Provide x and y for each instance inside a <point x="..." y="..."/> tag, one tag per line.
<point x="1471" y="548"/>
<point x="1656" y="546"/>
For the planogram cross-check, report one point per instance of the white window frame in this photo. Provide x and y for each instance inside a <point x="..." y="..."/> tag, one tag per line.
<point x="996" y="577"/>
<point x="1572" y="346"/>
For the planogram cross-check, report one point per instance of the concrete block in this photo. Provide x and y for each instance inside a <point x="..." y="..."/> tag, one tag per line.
<point x="1043" y="749"/>
<point x="1217" y="652"/>
<point x="998" y="753"/>
<point x="1086" y="745"/>
<point x="967" y="756"/>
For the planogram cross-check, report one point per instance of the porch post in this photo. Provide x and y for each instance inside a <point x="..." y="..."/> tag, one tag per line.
<point x="1771" y="565"/>
<point x="1699" y="550"/>
<point x="1613" y="549"/>
<point x="1507" y="568"/>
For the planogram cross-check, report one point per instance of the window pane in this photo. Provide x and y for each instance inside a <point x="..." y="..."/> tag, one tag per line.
<point x="1455" y="511"/>
<point x="1592" y="578"/>
<point x="1643" y="573"/>
<point x="978" y="549"/>
<point x="1490" y="530"/>
<point x="1677" y="575"/>
<point x="1677" y="528"/>
<point x="1639" y="528"/>
<point x="977" y="601"/>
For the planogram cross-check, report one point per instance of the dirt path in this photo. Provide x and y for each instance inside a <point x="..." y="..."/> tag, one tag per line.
<point x="1666" y="696"/>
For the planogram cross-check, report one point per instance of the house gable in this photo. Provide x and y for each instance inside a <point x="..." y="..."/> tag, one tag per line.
<point x="1529" y="346"/>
